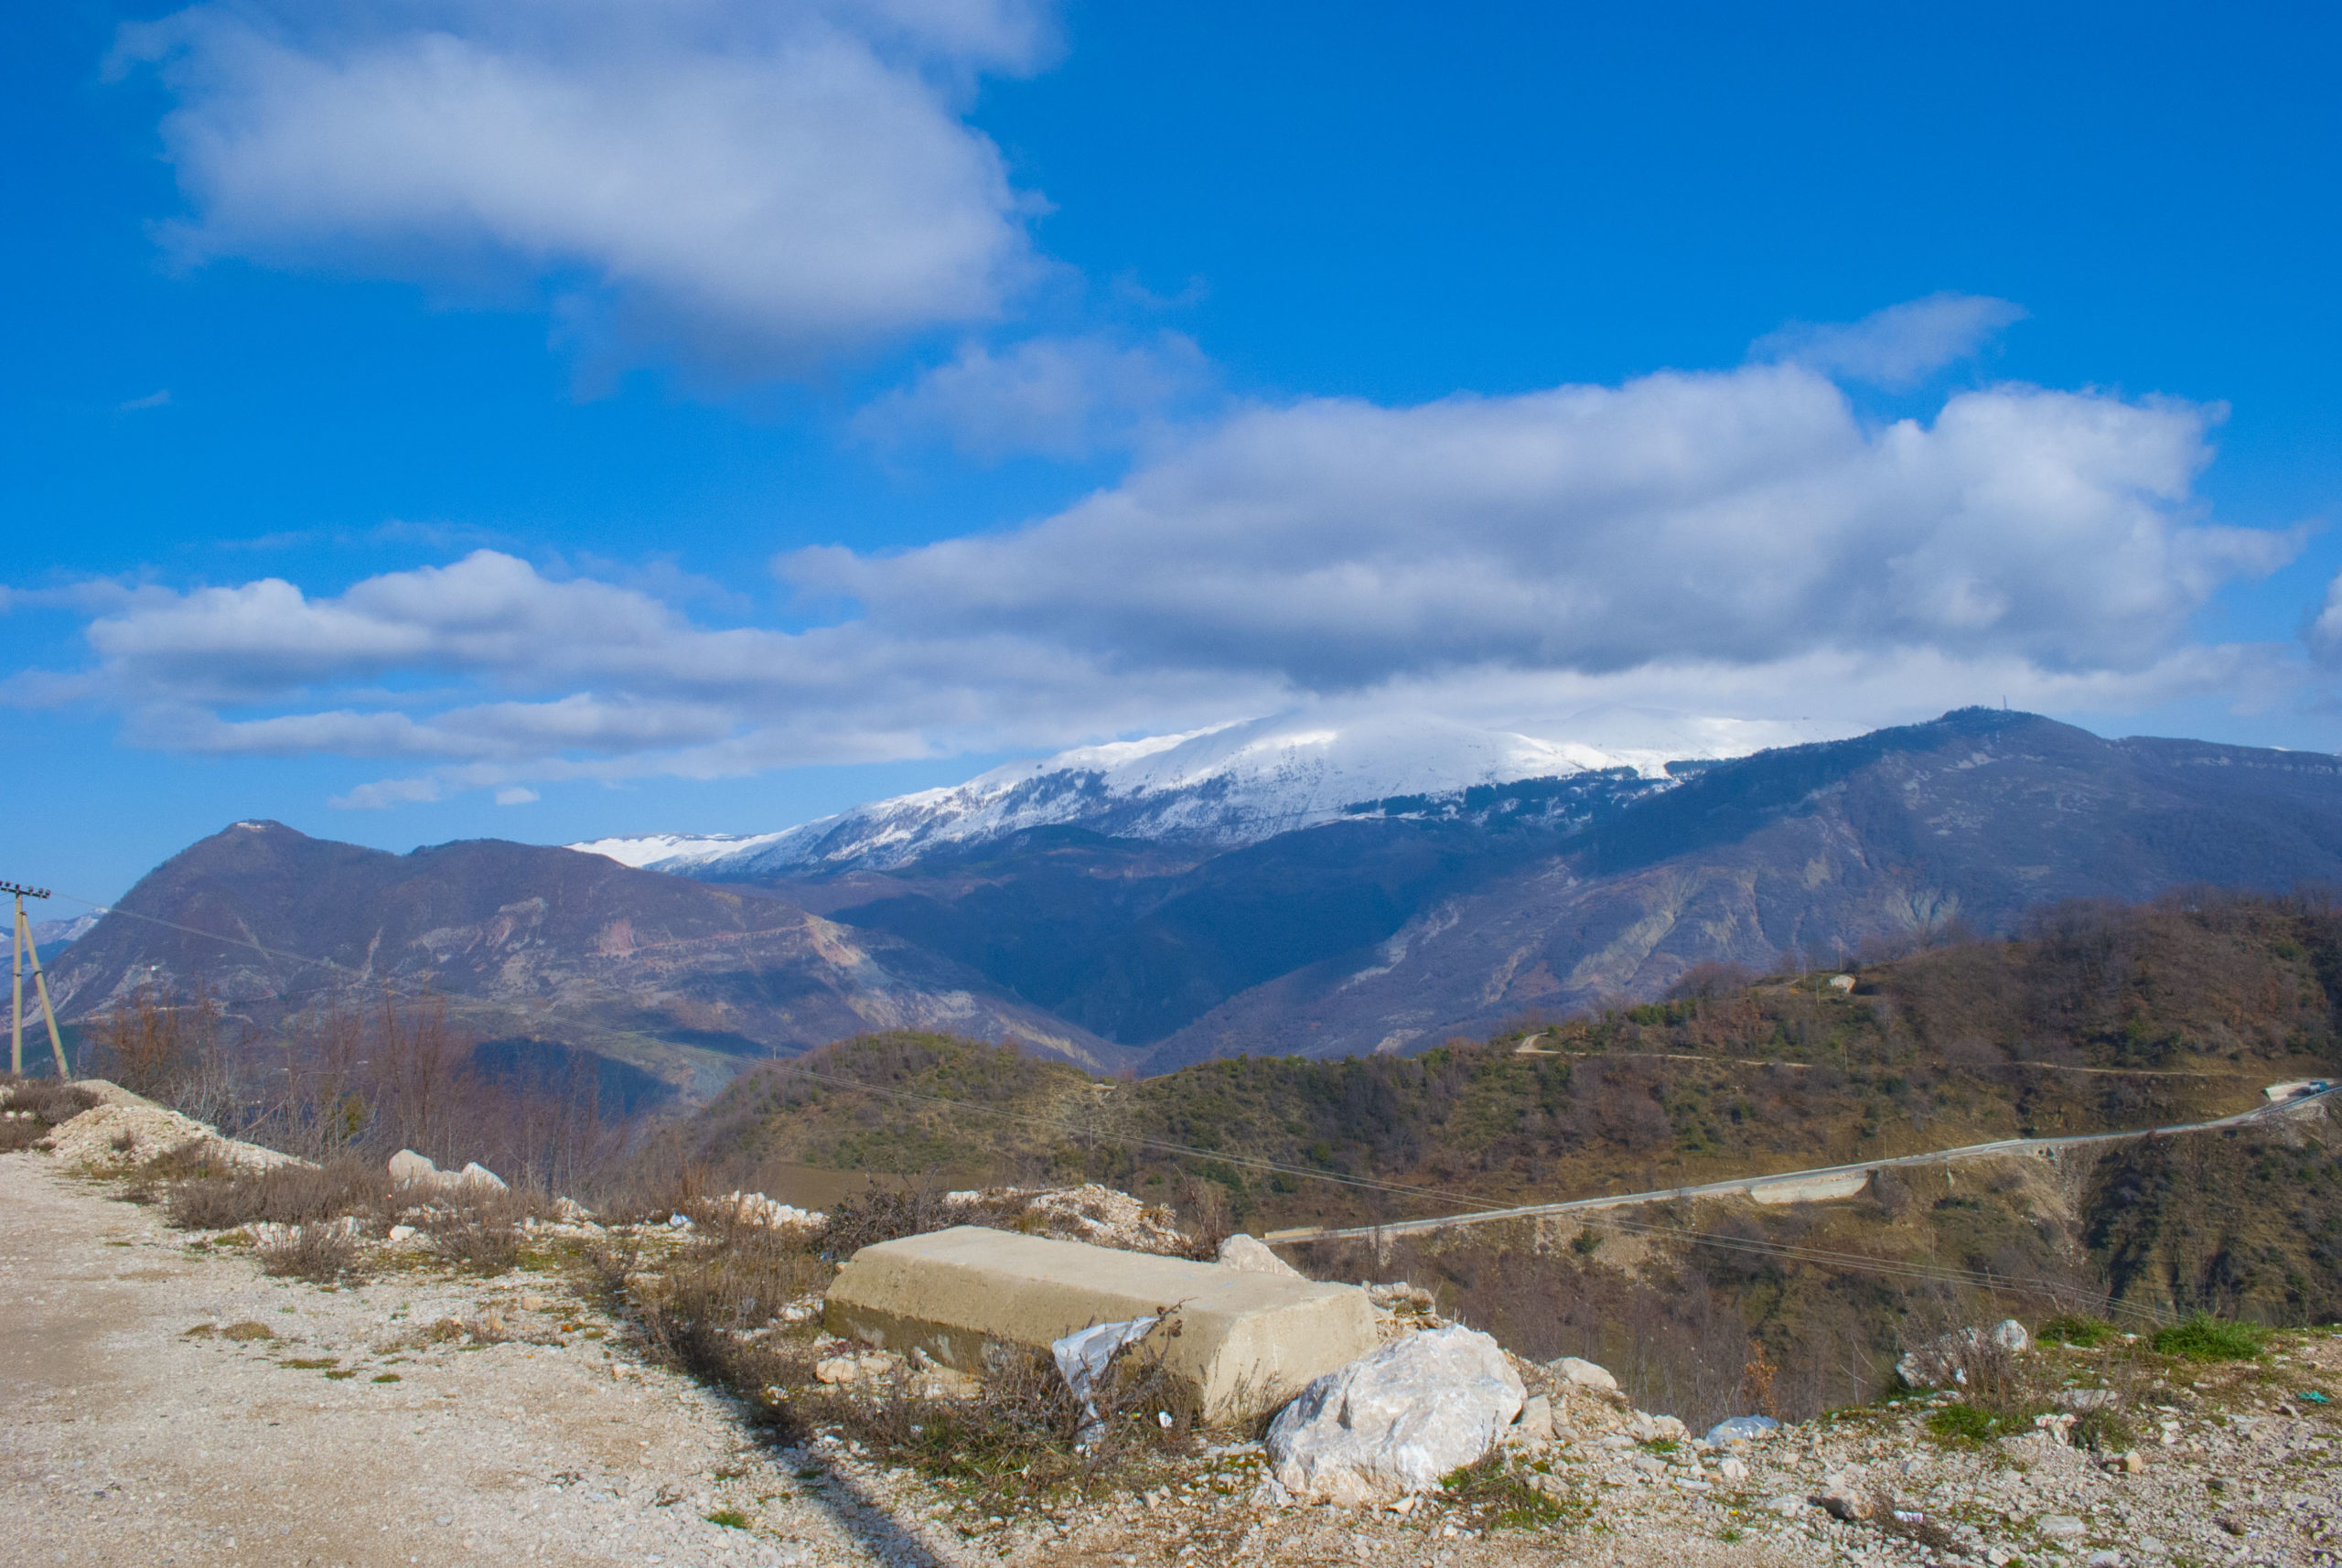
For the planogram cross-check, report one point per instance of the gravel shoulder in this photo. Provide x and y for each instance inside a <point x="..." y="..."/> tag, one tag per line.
<point x="369" y="1429"/>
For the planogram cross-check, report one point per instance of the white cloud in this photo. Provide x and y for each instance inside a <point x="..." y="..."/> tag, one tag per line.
<point x="516" y="795"/>
<point x="2323" y="629"/>
<point x="1062" y="397"/>
<point x="1736" y="544"/>
<point x="1737" y="517"/>
<point x="754" y="184"/>
<point x="1898" y="346"/>
<point x="152" y="400"/>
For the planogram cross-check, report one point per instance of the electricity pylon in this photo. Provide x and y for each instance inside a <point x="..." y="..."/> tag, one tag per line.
<point x="24" y="945"/>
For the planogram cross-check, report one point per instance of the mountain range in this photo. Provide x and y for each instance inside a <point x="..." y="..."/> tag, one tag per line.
<point x="1271" y="888"/>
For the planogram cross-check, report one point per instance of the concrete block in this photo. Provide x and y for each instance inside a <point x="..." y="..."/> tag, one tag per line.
<point x="1809" y="1188"/>
<point x="1244" y="1342"/>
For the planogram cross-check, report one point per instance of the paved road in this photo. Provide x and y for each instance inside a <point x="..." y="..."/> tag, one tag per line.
<point x="1820" y="1182"/>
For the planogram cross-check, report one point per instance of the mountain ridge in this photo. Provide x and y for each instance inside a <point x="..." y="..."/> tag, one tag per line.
<point x="1220" y="788"/>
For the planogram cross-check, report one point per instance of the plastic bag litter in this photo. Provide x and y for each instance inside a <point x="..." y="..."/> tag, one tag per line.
<point x="1083" y="1357"/>
<point x="1751" y="1427"/>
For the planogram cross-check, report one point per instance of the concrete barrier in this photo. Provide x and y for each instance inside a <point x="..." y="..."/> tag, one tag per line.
<point x="1243" y="1342"/>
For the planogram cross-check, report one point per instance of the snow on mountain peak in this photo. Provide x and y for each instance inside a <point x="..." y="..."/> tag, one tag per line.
<point x="1229" y="785"/>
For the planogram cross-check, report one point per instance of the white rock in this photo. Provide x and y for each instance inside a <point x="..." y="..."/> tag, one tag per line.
<point x="401" y="1233"/>
<point x="1583" y="1374"/>
<point x="478" y="1174"/>
<point x="1732" y="1471"/>
<point x="2010" y="1336"/>
<point x="2058" y="1526"/>
<point x="1240" y="1251"/>
<point x="406" y="1166"/>
<point x="1536" y="1424"/>
<point x="1395" y="1421"/>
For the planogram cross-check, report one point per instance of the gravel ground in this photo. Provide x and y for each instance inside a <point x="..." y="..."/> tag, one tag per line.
<point x="135" y="1428"/>
<point x="167" y="1403"/>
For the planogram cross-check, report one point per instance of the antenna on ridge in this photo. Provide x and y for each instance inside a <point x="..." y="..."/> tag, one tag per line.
<point x="23" y="938"/>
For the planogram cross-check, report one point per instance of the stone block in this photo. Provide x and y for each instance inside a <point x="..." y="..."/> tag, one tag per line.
<point x="1244" y="1342"/>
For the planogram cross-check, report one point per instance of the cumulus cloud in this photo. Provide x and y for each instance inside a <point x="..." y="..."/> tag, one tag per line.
<point x="1734" y="542"/>
<point x="1898" y="346"/>
<point x="753" y="183"/>
<point x="1738" y="518"/>
<point x="1061" y="397"/>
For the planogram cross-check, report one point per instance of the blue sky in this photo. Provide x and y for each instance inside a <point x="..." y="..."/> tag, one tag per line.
<point x="704" y="416"/>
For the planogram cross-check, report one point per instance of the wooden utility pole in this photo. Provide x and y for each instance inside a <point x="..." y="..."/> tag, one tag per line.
<point x="24" y="946"/>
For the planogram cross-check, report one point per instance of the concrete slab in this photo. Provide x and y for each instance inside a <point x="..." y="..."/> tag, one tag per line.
<point x="1809" y="1188"/>
<point x="1246" y="1342"/>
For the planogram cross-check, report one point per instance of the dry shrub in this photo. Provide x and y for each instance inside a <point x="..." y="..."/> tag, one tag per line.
<point x="322" y="1253"/>
<point x="204" y="1199"/>
<point x="885" y="1214"/>
<point x="33" y="1106"/>
<point x="482" y="1238"/>
<point x="1017" y="1438"/>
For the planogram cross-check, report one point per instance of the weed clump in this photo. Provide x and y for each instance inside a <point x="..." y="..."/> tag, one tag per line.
<point x="2081" y="1332"/>
<point x="1497" y="1494"/>
<point x="2203" y="1337"/>
<point x="321" y="1252"/>
<point x="1965" y="1423"/>
<point x="248" y="1330"/>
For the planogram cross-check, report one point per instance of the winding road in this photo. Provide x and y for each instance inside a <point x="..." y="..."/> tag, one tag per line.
<point x="1819" y="1185"/>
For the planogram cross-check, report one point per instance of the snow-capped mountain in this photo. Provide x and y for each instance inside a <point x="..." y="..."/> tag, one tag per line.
<point x="1220" y="788"/>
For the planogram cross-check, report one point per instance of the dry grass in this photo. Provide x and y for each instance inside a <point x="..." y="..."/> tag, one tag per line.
<point x="323" y="1252"/>
<point x="29" y="1107"/>
<point x="202" y="1199"/>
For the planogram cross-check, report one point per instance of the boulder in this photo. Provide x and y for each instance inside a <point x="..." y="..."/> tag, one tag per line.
<point x="1584" y="1375"/>
<point x="1240" y="1251"/>
<point x="1536" y="1422"/>
<point x="406" y="1166"/>
<point x="478" y="1174"/>
<point x="1394" y="1422"/>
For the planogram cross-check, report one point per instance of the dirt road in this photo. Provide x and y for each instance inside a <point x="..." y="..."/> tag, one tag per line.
<point x="358" y="1432"/>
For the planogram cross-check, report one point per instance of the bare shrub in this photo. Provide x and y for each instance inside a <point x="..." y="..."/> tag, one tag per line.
<point x="204" y="1199"/>
<point x="323" y="1252"/>
<point x="472" y="1241"/>
<point x="1021" y="1436"/>
<point x="34" y="1105"/>
<point x="885" y="1214"/>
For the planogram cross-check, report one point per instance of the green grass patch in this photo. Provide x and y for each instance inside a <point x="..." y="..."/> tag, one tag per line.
<point x="1498" y="1497"/>
<point x="384" y="1378"/>
<point x="1961" y="1423"/>
<point x="2082" y="1332"/>
<point x="310" y="1364"/>
<point x="730" y="1519"/>
<point x="338" y="1376"/>
<point x="2204" y="1337"/>
<point x="248" y="1331"/>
